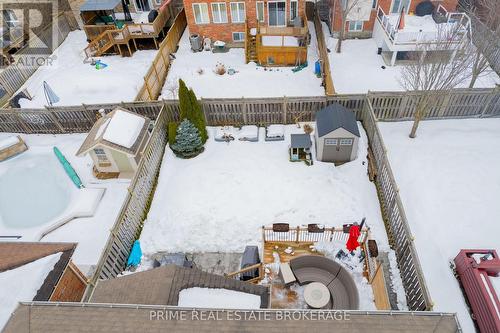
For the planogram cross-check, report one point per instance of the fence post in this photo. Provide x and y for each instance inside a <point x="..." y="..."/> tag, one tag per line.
<point x="244" y="110"/>
<point x="494" y="92"/>
<point x="297" y="235"/>
<point x="285" y="109"/>
<point x="50" y="112"/>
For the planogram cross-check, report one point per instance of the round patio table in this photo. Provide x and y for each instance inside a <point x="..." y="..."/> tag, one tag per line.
<point x="316" y="295"/>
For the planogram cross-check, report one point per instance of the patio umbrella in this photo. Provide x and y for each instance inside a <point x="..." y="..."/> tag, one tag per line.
<point x="352" y="242"/>
<point x="50" y="95"/>
<point x="401" y="22"/>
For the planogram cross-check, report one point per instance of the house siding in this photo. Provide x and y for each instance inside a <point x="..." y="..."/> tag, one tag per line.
<point x="450" y="5"/>
<point x="224" y="31"/>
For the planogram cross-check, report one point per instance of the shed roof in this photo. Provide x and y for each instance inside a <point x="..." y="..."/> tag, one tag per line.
<point x="336" y="116"/>
<point x="91" y="5"/>
<point x="97" y="134"/>
<point x="300" y="141"/>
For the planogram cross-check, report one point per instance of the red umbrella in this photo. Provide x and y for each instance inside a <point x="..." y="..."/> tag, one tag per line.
<point x="352" y="242"/>
<point x="401" y="23"/>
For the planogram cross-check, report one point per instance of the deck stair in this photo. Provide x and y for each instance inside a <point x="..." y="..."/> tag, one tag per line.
<point x="115" y="38"/>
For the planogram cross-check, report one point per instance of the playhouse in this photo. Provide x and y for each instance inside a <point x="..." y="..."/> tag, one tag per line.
<point x="337" y="134"/>
<point x="300" y="148"/>
<point x="116" y="143"/>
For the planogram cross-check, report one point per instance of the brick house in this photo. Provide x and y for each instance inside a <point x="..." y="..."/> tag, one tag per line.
<point x="272" y="32"/>
<point x="362" y="24"/>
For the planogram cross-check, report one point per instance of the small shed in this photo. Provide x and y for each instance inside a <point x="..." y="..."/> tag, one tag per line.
<point x="116" y="143"/>
<point x="337" y="134"/>
<point x="300" y="148"/>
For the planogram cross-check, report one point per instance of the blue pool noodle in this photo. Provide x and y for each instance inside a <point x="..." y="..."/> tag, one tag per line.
<point x="68" y="168"/>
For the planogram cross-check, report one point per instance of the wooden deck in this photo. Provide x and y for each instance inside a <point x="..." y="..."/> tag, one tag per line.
<point x="299" y="249"/>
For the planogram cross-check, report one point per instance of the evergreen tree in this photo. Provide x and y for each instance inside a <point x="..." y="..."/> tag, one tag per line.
<point x="187" y="141"/>
<point x="190" y="109"/>
<point x="199" y="116"/>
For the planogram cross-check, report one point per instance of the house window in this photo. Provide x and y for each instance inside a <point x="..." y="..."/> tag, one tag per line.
<point x="277" y="13"/>
<point x="330" y="142"/>
<point x="345" y="142"/>
<point x="397" y="6"/>
<point x="355" y="25"/>
<point x="200" y="11"/>
<point x="219" y="13"/>
<point x="238" y="12"/>
<point x="238" y="36"/>
<point x="374" y="4"/>
<point x="260" y="11"/>
<point x="294" y="9"/>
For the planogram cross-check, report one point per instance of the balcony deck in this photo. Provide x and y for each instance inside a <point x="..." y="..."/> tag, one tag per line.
<point x="421" y="30"/>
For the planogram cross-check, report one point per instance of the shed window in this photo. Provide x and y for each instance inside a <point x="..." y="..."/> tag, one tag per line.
<point x="330" y="142"/>
<point x="102" y="158"/>
<point x="345" y="142"/>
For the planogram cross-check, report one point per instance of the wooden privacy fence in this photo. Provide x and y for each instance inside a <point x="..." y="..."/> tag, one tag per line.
<point x="397" y="227"/>
<point x="134" y="209"/>
<point x="15" y="75"/>
<point x="323" y="54"/>
<point x="157" y="73"/>
<point x="394" y="106"/>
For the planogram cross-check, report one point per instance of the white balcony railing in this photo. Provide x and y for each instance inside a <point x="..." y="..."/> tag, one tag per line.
<point x="457" y="24"/>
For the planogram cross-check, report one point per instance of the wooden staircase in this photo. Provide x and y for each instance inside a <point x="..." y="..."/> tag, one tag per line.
<point x="250" y="45"/>
<point x="117" y="37"/>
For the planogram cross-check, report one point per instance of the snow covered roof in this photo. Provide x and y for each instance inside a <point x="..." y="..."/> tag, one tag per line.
<point x="336" y="116"/>
<point x="91" y="5"/>
<point x="37" y="267"/>
<point x="120" y="130"/>
<point x="162" y="285"/>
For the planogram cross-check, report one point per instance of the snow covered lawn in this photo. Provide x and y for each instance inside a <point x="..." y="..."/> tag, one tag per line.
<point x="219" y="200"/>
<point x="75" y="82"/>
<point x="249" y="80"/>
<point x="449" y="182"/>
<point x="91" y="233"/>
<point x="358" y="68"/>
<point x="215" y="298"/>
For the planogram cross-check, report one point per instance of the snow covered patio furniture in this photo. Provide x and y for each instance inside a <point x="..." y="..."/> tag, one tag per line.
<point x="11" y="146"/>
<point x="225" y="133"/>
<point x="275" y="133"/>
<point x="249" y="133"/>
<point x="116" y="143"/>
<point x="343" y="291"/>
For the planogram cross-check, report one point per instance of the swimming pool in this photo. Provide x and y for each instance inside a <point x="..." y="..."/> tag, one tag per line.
<point x="33" y="191"/>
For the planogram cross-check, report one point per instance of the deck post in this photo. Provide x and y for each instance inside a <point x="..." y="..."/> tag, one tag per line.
<point x="297" y="234"/>
<point x="394" y="56"/>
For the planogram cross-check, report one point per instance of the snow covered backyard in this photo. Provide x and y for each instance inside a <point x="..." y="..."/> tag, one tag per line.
<point x="249" y="80"/>
<point x="358" y="68"/>
<point x="36" y="191"/>
<point x="450" y="186"/>
<point x="219" y="200"/>
<point x="76" y="82"/>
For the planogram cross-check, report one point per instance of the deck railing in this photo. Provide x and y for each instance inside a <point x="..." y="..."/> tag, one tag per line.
<point x="460" y="20"/>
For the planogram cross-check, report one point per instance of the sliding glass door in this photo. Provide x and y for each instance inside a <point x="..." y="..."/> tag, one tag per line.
<point x="277" y="13"/>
